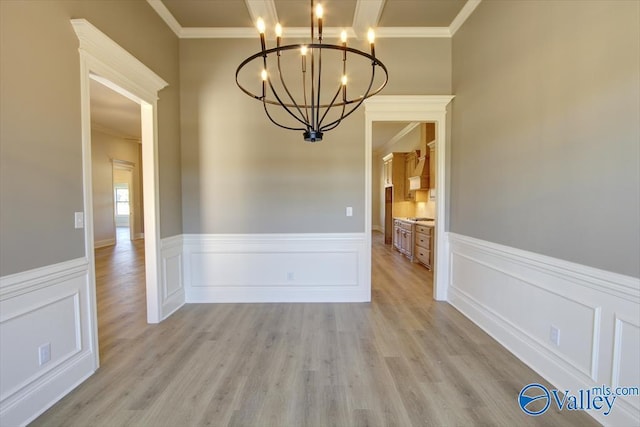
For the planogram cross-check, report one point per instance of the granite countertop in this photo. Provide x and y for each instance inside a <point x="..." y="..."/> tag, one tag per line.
<point x="426" y="223"/>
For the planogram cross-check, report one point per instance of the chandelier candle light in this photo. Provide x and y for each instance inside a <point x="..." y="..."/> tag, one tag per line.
<point x="311" y="111"/>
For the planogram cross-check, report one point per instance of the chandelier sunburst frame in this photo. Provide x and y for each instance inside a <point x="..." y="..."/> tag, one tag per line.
<point x="310" y="113"/>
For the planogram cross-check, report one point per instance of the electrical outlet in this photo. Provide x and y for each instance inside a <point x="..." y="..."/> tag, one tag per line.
<point x="554" y="335"/>
<point x="349" y="211"/>
<point x="44" y="353"/>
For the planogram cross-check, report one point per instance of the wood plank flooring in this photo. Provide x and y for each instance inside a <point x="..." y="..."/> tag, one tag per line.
<point x="402" y="360"/>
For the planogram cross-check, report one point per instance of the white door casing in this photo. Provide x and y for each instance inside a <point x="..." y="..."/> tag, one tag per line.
<point x="105" y="61"/>
<point x="413" y="108"/>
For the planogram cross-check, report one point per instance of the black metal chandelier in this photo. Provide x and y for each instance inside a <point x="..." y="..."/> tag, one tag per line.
<point x="308" y="109"/>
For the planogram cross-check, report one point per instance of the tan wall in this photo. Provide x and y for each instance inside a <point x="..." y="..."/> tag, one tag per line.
<point x="41" y="149"/>
<point x="104" y="149"/>
<point x="242" y="174"/>
<point x="546" y="128"/>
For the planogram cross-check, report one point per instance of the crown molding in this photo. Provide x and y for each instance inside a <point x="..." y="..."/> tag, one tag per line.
<point x="166" y="16"/>
<point x="99" y="127"/>
<point x="366" y="13"/>
<point x="218" y="33"/>
<point x="412" y="32"/>
<point x="397" y="137"/>
<point x="252" y="33"/>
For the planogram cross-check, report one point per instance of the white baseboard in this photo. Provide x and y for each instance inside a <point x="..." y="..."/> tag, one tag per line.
<point x="378" y="228"/>
<point x="138" y="236"/>
<point x="516" y="296"/>
<point x="104" y="243"/>
<point x="44" y="305"/>
<point x="275" y="268"/>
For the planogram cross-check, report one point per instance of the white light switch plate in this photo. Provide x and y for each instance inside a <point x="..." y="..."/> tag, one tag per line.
<point x="79" y="219"/>
<point x="349" y="211"/>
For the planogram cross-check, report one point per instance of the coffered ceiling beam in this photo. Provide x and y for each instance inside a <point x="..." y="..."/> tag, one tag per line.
<point x="265" y="9"/>
<point x="166" y="16"/>
<point x="367" y="15"/>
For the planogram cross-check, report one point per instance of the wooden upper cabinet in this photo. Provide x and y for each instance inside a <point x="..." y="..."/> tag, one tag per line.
<point x="394" y="174"/>
<point x="432" y="164"/>
<point x="387" y="172"/>
<point x="410" y="163"/>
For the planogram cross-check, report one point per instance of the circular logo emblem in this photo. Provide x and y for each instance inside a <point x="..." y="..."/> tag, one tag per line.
<point x="534" y="399"/>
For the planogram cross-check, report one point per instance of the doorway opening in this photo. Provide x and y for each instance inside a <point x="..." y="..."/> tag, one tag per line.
<point x="402" y="178"/>
<point x="116" y="165"/>
<point x="414" y="109"/>
<point x="103" y="60"/>
<point x="127" y="197"/>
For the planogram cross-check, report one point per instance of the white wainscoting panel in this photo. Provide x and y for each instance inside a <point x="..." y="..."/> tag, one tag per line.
<point x="275" y="268"/>
<point x="518" y="296"/>
<point x="172" y="295"/>
<point x="48" y="305"/>
<point x="626" y="356"/>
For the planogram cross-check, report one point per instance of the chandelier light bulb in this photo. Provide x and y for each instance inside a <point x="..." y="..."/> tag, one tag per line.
<point x="278" y="30"/>
<point x="371" y="35"/>
<point x="344" y="80"/>
<point x="264" y="75"/>
<point x="260" y="25"/>
<point x="303" y="50"/>
<point x="319" y="11"/>
<point x="343" y="36"/>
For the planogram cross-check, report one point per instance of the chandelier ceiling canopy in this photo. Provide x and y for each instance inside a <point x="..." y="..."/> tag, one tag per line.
<point x="311" y="86"/>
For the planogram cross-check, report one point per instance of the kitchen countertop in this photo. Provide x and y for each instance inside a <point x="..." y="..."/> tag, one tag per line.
<point x="428" y="223"/>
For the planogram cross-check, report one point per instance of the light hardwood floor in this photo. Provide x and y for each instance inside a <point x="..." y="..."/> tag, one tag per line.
<point x="402" y="360"/>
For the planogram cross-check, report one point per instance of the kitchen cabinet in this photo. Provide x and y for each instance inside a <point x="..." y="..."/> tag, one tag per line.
<point x="388" y="171"/>
<point x="432" y="164"/>
<point x="394" y="174"/>
<point x="410" y="163"/>
<point x="424" y="245"/>
<point x="403" y="237"/>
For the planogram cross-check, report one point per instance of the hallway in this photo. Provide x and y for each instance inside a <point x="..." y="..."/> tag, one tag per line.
<point x="401" y="360"/>
<point x="120" y="291"/>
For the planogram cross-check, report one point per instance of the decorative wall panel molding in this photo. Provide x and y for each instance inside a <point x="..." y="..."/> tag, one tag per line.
<point x="40" y="307"/>
<point x="172" y="287"/>
<point x="275" y="268"/>
<point x="517" y="297"/>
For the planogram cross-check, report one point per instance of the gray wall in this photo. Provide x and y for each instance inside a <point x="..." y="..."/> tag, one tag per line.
<point x="40" y="140"/>
<point x="241" y="174"/>
<point x="545" y="140"/>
